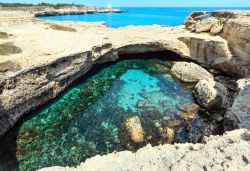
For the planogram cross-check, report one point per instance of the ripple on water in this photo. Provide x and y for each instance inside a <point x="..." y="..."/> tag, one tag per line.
<point x="86" y="120"/>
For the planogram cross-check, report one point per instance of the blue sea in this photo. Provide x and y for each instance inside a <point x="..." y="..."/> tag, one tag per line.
<point x="140" y="16"/>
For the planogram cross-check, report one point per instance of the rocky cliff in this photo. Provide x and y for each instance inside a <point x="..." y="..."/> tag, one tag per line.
<point x="40" y="59"/>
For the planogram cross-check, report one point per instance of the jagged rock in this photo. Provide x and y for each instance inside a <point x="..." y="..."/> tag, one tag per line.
<point x="205" y="25"/>
<point x="237" y="32"/>
<point x="238" y="115"/>
<point x="189" y="72"/>
<point x="217" y="28"/>
<point x="134" y="129"/>
<point x="211" y="94"/>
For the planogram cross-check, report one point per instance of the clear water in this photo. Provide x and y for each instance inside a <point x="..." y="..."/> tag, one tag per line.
<point x="140" y="16"/>
<point x="87" y="119"/>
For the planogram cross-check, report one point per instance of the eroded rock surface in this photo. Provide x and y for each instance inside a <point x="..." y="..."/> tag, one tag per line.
<point x="227" y="152"/>
<point x="212" y="95"/>
<point x="238" y="115"/>
<point x="189" y="72"/>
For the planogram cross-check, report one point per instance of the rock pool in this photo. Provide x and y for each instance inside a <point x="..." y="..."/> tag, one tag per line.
<point x="88" y="119"/>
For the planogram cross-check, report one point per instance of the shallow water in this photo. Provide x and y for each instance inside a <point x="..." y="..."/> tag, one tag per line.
<point x="170" y="16"/>
<point x="87" y="119"/>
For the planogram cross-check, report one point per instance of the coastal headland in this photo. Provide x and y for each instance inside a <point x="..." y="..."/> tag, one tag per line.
<point x="40" y="59"/>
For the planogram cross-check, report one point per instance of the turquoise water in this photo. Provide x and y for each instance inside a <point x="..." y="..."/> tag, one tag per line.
<point x="140" y="16"/>
<point x="88" y="118"/>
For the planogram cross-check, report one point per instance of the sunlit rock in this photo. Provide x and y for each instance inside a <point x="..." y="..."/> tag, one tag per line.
<point x="189" y="72"/>
<point x="135" y="130"/>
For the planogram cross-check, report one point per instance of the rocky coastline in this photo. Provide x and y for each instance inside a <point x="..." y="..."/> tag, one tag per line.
<point x="75" y="12"/>
<point x="217" y="43"/>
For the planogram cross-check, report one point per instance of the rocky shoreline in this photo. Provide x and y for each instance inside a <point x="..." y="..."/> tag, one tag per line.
<point x="31" y="77"/>
<point x="75" y="12"/>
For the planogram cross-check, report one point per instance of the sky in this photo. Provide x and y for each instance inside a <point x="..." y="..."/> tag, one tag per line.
<point x="148" y="3"/>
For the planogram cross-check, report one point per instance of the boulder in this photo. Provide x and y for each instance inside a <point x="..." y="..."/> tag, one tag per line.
<point x="212" y="95"/>
<point x="205" y="25"/>
<point x="189" y="72"/>
<point x="216" y="28"/>
<point x="134" y="128"/>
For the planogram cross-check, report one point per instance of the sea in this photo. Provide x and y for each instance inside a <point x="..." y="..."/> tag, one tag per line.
<point x="170" y="16"/>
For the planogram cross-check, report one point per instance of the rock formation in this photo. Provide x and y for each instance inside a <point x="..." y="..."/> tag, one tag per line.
<point x="212" y="95"/>
<point x="189" y="72"/>
<point x="36" y="75"/>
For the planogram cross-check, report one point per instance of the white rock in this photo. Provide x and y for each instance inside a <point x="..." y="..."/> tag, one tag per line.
<point x="189" y="72"/>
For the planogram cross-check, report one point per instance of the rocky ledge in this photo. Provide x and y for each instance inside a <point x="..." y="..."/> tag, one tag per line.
<point x="227" y="152"/>
<point x="217" y="63"/>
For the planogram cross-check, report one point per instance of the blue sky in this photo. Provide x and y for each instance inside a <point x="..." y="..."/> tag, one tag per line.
<point x="149" y="3"/>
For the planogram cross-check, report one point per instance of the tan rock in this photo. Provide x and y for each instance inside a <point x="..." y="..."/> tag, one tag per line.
<point x="189" y="72"/>
<point x="169" y="135"/>
<point x="187" y="115"/>
<point x="135" y="130"/>
<point x="217" y="28"/>
<point x="205" y="25"/>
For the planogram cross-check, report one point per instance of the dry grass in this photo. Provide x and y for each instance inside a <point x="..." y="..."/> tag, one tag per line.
<point x="9" y="66"/>
<point x="60" y="27"/>
<point x="9" y="48"/>
<point x="3" y="35"/>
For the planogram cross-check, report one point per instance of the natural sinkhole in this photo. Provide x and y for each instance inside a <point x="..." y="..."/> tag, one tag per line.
<point x="93" y="115"/>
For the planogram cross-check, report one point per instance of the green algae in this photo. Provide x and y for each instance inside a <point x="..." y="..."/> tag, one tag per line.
<point x="86" y="120"/>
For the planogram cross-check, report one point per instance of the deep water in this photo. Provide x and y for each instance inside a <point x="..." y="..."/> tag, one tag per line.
<point x="141" y="16"/>
<point x="87" y="119"/>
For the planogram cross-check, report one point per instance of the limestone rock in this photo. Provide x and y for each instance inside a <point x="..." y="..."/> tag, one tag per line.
<point x="189" y="72"/>
<point x="205" y="25"/>
<point x="237" y="32"/>
<point x="217" y="28"/>
<point x="238" y="115"/>
<point x="211" y="94"/>
<point x="135" y="130"/>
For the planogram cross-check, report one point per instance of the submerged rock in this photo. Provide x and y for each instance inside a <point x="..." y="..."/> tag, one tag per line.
<point x="187" y="115"/>
<point x="167" y="134"/>
<point x="189" y="107"/>
<point x="189" y="72"/>
<point x="211" y="94"/>
<point x="134" y="129"/>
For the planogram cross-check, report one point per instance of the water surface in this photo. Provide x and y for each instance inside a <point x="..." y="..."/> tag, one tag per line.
<point x="141" y="16"/>
<point x="88" y="118"/>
